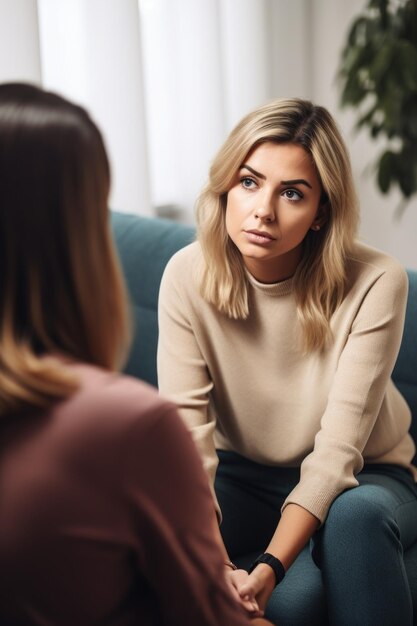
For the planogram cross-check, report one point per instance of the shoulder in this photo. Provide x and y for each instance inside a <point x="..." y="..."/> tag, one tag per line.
<point x="367" y="265"/>
<point x="112" y="401"/>
<point x="184" y="259"/>
<point x="181" y="273"/>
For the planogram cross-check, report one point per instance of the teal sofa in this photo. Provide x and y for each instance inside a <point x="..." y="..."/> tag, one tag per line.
<point x="145" y="245"/>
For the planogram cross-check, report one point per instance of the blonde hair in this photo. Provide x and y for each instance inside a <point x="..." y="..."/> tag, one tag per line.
<point x="61" y="290"/>
<point x="319" y="281"/>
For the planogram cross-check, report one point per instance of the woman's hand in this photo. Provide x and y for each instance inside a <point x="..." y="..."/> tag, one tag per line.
<point x="236" y="580"/>
<point x="257" y="586"/>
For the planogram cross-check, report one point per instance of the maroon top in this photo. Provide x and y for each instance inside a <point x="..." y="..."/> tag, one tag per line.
<point x="105" y="515"/>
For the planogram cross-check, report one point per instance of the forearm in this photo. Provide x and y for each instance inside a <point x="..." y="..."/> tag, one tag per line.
<point x="295" y="529"/>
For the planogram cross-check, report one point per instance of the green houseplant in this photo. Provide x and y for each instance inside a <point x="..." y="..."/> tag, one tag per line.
<point x="378" y="75"/>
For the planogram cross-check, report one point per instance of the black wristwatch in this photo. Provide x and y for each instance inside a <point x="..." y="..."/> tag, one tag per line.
<point x="273" y="562"/>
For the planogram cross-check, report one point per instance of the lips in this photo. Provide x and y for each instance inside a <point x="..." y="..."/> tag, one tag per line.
<point x="260" y="233"/>
<point x="259" y="236"/>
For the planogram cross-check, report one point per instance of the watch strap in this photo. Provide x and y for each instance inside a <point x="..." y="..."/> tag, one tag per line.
<point x="273" y="562"/>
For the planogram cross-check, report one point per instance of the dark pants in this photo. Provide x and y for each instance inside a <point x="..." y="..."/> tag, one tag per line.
<point x="352" y="574"/>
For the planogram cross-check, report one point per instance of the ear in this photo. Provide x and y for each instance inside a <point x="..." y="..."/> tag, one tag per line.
<point x="321" y="216"/>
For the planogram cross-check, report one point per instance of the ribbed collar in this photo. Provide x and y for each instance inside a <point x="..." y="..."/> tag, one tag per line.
<point x="283" y="288"/>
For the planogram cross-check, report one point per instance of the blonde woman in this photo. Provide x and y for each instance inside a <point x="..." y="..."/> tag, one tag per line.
<point x="91" y="530"/>
<point x="278" y="335"/>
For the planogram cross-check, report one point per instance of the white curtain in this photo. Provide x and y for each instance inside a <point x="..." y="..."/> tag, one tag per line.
<point x="90" y="52"/>
<point x="19" y="41"/>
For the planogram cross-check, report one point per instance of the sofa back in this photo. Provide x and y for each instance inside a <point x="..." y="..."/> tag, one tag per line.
<point x="405" y="370"/>
<point x="146" y="244"/>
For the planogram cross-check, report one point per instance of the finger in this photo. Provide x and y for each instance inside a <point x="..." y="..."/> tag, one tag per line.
<point x="249" y="588"/>
<point x="234" y="581"/>
<point x="257" y="613"/>
<point x="252" y="608"/>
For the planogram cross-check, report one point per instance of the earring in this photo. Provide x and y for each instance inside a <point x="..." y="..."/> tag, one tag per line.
<point x="315" y="227"/>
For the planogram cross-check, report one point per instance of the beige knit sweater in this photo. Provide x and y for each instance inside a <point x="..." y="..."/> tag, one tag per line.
<point x="245" y="385"/>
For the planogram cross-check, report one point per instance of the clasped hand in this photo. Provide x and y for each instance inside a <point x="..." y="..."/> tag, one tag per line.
<point x="252" y="590"/>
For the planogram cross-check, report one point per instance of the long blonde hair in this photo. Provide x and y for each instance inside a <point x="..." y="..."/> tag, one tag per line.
<point x="319" y="281"/>
<point x="61" y="290"/>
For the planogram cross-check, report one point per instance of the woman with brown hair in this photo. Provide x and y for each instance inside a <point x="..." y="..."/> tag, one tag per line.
<point x="92" y="530"/>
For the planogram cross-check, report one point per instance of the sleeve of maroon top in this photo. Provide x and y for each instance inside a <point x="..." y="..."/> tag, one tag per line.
<point x="172" y="510"/>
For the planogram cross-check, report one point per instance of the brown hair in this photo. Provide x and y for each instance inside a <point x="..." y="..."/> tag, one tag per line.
<point x="61" y="291"/>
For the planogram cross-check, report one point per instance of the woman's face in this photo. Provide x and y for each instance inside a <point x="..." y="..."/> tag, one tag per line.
<point x="273" y="203"/>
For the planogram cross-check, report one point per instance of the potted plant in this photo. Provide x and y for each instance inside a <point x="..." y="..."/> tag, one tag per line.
<point x="378" y="74"/>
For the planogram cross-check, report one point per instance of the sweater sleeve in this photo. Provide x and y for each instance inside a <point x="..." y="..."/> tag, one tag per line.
<point x="183" y="376"/>
<point x="172" y="517"/>
<point x="356" y="395"/>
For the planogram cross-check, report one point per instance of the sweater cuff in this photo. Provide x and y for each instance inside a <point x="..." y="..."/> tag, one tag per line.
<point x="316" y="494"/>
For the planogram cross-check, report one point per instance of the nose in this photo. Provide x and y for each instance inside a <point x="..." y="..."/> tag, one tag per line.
<point x="265" y="211"/>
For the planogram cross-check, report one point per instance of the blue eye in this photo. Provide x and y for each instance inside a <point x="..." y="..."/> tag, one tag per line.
<point x="293" y="195"/>
<point x="247" y="182"/>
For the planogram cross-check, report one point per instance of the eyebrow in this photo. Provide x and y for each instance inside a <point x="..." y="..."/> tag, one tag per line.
<point x="295" y="181"/>
<point x="253" y="171"/>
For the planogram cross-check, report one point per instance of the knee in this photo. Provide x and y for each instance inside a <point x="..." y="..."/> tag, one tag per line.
<point x="364" y="510"/>
<point x="359" y="522"/>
